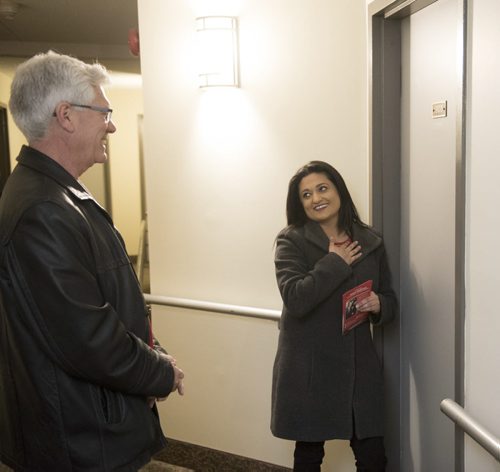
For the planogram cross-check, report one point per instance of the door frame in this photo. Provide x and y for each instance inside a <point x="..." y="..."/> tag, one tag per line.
<point x="384" y="132"/>
<point x="4" y="147"/>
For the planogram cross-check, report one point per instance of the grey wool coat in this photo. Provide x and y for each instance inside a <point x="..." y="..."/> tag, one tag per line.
<point x="323" y="381"/>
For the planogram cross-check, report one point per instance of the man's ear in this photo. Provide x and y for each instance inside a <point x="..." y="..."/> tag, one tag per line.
<point x="64" y="116"/>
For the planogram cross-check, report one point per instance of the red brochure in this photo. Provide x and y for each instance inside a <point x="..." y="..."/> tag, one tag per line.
<point x="351" y="317"/>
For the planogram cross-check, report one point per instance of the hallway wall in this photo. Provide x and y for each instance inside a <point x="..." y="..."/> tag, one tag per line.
<point x="218" y="164"/>
<point x="16" y="139"/>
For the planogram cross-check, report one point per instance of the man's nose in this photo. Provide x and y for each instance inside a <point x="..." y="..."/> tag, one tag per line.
<point x="111" y="127"/>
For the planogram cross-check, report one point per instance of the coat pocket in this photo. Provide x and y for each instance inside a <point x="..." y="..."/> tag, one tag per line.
<point x="110" y="405"/>
<point x="11" y="438"/>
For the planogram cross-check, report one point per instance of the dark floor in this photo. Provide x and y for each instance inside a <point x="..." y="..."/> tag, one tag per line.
<point x="203" y="459"/>
<point x="153" y="466"/>
<point x="184" y="457"/>
<point x="158" y="466"/>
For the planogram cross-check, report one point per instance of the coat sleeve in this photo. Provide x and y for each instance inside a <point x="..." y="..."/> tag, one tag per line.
<point x="53" y="275"/>
<point x="387" y="296"/>
<point x="302" y="288"/>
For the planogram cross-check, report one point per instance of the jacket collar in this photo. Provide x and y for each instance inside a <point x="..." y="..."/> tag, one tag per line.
<point x="42" y="163"/>
<point x="368" y="239"/>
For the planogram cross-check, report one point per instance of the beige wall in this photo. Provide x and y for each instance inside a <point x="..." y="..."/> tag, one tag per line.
<point x="125" y="95"/>
<point x="217" y="165"/>
<point x="126" y="100"/>
<point x="16" y="139"/>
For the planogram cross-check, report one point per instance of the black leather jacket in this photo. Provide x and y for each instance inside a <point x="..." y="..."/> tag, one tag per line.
<point x="75" y="364"/>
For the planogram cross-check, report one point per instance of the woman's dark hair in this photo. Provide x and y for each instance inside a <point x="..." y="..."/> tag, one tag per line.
<point x="295" y="213"/>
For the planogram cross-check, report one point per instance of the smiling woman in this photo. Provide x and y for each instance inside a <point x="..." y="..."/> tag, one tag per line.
<point x="327" y="381"/>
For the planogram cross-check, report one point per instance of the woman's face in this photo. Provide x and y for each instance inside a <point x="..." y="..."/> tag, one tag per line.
<point x="320" y="198"/>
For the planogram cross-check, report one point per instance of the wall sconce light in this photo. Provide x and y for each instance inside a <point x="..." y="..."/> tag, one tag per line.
<point x="217" y="38"/>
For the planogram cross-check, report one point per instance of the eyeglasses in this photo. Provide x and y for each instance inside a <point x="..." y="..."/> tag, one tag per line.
<point x="105" y="111"/>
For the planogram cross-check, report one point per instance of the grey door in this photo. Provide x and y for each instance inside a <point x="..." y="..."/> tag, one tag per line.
<point x="428" y="179"/>
<point x="418" y="163"/>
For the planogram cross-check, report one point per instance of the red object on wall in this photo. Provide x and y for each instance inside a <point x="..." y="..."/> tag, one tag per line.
<point x="133" y="41"/>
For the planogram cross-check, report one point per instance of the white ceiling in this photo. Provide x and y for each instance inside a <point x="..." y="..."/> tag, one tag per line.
<point x="95" y="29"/>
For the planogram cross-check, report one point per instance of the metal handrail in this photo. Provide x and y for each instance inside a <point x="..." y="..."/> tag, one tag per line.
<point x="252" y="312"/>
<point x="477" y="432"/>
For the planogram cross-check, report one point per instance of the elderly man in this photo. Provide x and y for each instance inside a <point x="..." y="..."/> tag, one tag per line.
<point x="79" y="367"/>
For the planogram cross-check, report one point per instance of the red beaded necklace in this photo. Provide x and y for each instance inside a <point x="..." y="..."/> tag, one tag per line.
<point x="341" y="243"/>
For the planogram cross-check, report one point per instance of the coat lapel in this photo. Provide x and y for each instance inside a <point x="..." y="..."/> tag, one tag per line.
<point x="368" y="239"/>
<point x="314" y="234"/>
